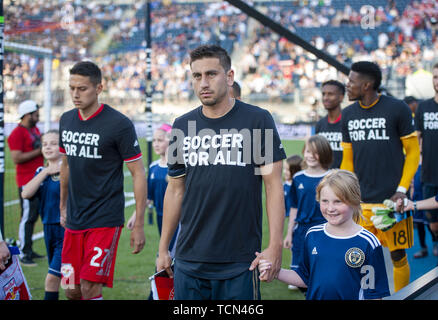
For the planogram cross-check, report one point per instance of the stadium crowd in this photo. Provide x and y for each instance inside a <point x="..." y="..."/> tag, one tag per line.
<point x="269" y="68"/>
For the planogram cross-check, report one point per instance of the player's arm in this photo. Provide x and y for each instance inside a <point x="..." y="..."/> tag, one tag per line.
<point x="284" y="275"/>
<point x="420" y="140"/>
<point x="63" y="186"/>
<point x="412" y="159"/>
<point x="271" y="174"/>
<point x="426" y="204"/>
<point x="287" y="242"/>
<point x="19" y="156"/>
<point x="33" y="185"/>
<point x="347" y="156"/>
<point x="136" y="168"/>
<point x="171" y="215"/>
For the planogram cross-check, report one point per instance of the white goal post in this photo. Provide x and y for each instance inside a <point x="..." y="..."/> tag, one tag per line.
<point x="47" y="54"/>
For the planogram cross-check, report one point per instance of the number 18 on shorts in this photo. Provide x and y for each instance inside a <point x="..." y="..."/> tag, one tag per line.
<point x="90" y="255"/>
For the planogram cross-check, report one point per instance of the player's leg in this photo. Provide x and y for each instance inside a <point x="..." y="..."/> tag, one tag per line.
<point x="401" y="269"/>
<point x="432" y="215"/>
<point x="71" y="257"/>
<point x="421" y="230"/>
<point x="97" y="265"/>
<point x="91" y="290"/>
<point x="396" y="239"/>
<point x="245" y="286"/>
<point x="23" y="237"/>
<point x="188" y="287"/>
<point x="51" y="287"/>
<point x="54" y="237"/>
<point x="30" y="226"/>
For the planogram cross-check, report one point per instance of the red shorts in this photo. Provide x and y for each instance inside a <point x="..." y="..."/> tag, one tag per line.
<point x="90" y="255"/>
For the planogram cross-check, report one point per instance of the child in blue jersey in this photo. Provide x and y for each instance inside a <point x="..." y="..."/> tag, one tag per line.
<point x="304" y="211"/>
<point x="157" y="178"/>
<point x="292" y="165"/>
<point x="45" y="186"/>
<point x="341" y="259"/>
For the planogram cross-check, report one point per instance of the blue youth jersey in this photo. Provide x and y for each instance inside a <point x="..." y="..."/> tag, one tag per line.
<point x="49" y="195"/>
<point x="343" y="268"/>
<point x="157" y="184"/>
<point x="303" y="197"/>
<point x="287" y="201"/>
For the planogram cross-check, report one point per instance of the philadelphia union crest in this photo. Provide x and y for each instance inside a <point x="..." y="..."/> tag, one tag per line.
<point x="354" y="257"/>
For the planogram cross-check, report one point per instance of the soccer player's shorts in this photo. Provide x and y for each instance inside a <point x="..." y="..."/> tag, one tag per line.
<point x="90" y="255"/>
<point x="400" y="236"/>
<point x="244" y="286"/>
<point x="428" y="192"/>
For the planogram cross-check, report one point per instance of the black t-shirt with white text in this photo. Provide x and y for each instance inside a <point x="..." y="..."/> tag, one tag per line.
<point x="426" y="121"/>
<point x="333" y="133"/>
<point x="96" y="149"/>
<point x="375" y="134"/>
<point x="221" y="214"/>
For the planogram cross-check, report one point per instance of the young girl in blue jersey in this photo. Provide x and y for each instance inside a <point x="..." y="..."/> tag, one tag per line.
<point x="292" y="165"/>
<point x="304" y="211"/>
<point x="157" y="178"/>
<point x="341" y="259"/>
<point x="45" y="186"/>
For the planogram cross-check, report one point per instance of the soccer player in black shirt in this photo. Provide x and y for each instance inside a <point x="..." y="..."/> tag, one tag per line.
<point x="96" y="141"/>
<point x="426" y="124"/>
<point x="376" y="129"/>
<point x="215" y="189"/>
<point x="333" y="93"/>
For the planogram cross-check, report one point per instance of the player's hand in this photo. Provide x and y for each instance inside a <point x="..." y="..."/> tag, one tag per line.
<point x="287" y="242"/>
<point x="383" y="218"/>
<point x="53" y="168"/>
<point x="164" y="262"/>
<point x="131" y="222"/>
<point x="264" y="266"/>
<point x="138" y="239"/>
<point x="274" y="256"/>
<point x="5" y="255"/>
<point x="398" y="195"/>
<point x="404" y="205"/>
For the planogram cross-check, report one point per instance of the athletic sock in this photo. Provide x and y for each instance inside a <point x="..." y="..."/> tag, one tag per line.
<point x="51" y="295"/>
<point x="401" y="273"/>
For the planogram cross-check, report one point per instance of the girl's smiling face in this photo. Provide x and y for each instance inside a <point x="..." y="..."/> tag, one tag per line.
<point x="333" y="209"/>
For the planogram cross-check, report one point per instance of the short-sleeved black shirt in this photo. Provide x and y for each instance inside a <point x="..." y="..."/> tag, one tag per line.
<point x="96" y="149"/>
<point x="333" y="133"/>
<point x="221" y="214"/>
<point x="426" y="121"/>
<point x="375" y="134"/>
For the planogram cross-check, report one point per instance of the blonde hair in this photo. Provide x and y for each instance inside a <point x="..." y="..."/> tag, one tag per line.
<point x="345" y="186"/>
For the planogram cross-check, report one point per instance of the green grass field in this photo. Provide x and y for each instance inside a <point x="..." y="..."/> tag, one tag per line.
<point x="132" y="271"/>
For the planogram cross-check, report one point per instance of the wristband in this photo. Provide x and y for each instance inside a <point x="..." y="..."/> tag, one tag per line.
<point x="415" y="206"/>
<point x="401" y="189"/>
